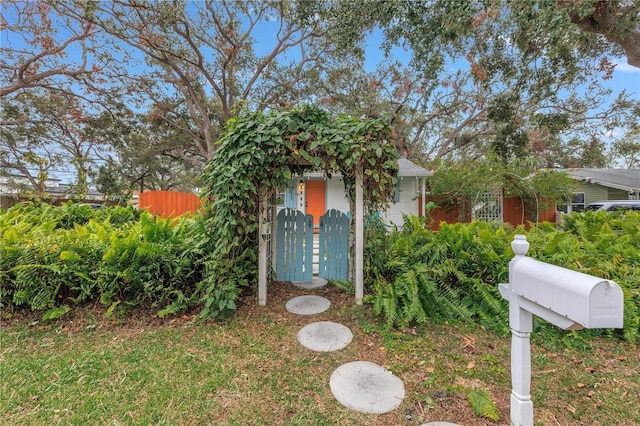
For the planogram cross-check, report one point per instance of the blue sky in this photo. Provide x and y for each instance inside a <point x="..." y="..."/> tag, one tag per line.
<point x="625" y="77"/>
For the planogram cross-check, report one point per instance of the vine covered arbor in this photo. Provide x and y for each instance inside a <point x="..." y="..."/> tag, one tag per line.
<point x="262" y="152"/>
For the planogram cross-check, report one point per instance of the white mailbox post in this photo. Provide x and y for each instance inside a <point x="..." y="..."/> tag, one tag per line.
<point x="568" y="299"/>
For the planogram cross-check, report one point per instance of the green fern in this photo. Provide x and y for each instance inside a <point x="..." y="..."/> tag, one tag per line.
<point x="36" y="285"/>
<point x="56" y="313"/>
<point x="346" y="286"/>
<point x="386" y="302"/>
<point x="491" y="308"/>
<point x="412" y="309"/>
<point x="631" y="330"/>
<point x="180" y="304"/>
<point x="483" y="405"/>
<point x="112" y="309"/>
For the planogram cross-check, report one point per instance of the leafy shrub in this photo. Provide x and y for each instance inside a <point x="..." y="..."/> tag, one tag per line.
<point x="54" y="256"/>
<point x="74" y="254"/>
<point x="603" y="244"/>
<point x="421" y="274"/>
<point x="151" y="260"/>
<point x="453" y="274"/>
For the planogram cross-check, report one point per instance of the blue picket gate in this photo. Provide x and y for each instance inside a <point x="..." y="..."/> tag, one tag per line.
<point x="294" y="246"/>
<point x="334" y="243"/>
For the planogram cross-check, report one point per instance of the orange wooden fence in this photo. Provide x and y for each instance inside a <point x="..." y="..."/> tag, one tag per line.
<point x="450" y="213"/>
<point x="514" y="211"/>
<point x="168" y="203"/>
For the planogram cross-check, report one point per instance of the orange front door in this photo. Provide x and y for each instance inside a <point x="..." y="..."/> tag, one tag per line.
<point x="315" y="199"/>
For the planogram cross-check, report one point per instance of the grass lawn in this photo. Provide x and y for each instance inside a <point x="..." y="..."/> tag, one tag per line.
<point x="250" y="370"/>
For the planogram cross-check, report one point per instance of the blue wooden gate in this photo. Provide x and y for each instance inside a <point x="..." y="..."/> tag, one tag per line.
<point x="334" y="243"/>
<point x="294" y="246"/>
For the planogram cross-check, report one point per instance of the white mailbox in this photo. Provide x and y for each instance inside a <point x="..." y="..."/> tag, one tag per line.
<point x="584" y="299"/>
<point x="566" y="298"/>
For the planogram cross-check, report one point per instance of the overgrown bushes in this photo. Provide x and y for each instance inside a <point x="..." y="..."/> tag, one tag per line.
<point x="451" y="275"/>
<point x="598" y="243"/>
<point x="415" y="274"/>
<point x="52" y="256"/>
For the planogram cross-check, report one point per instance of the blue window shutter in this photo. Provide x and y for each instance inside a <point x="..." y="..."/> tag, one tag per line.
<point x="290" y="196"/>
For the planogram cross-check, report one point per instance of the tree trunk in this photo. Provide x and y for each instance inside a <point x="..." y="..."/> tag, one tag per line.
<point x="606" y="20"/>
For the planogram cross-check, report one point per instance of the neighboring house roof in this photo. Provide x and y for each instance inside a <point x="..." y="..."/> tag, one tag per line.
<point x="64" y="189"/>
<point x="625" y="179"/>
<point x="13" y="178"/>
<point x="53" y="187"/>
<point x="406" y="168"/>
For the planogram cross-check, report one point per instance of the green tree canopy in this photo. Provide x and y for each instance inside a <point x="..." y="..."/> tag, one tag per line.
<point x="47" y="130"/>
<point x="465" y="180"/>
<point x="529" y="80"/>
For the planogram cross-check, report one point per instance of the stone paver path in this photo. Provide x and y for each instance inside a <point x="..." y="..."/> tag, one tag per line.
<point x="325" y="336"/>
<point x="307" y="305"/>
<point x="310" y="285"/>
<point x="366" y="387"/>
<point x="360" y="385"/>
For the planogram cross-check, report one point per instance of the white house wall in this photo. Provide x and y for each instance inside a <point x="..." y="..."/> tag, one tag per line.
<point x="336" y="198"/>
<point x="407" y="202"/>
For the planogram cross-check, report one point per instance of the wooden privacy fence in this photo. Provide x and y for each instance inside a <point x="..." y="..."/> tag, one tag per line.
<point x="514" y="211"/>
<point x="168" y="203"/>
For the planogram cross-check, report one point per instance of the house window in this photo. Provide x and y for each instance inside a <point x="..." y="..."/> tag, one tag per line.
<point x="287" y="197"/>
<point x="577" y="202"/>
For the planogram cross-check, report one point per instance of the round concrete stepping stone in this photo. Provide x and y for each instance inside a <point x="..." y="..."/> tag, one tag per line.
<point x="307" y="305"/>
<point x="317" y="282"/>
<point x="366" y="387"/>
<point x="439" y="424"/>
<point x="325" y="336"/>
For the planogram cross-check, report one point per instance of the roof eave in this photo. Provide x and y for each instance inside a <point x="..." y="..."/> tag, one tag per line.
<point x="610" y="184"/>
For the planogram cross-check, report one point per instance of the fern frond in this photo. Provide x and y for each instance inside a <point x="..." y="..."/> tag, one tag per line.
<point x="112" y="309"/>
<point x="389" y="304"/>
<point x="451" y="305"/>
<point x="181" y="303"/>
<point x="346" y="286"/>
<point x="490" y="297"/>
<point x="412" y="309"/>
<point x="55" y="313"/>
<point x="483" y="405"/>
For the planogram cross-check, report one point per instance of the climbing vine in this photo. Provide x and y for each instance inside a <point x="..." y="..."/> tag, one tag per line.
<point x="261" y="152"/>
